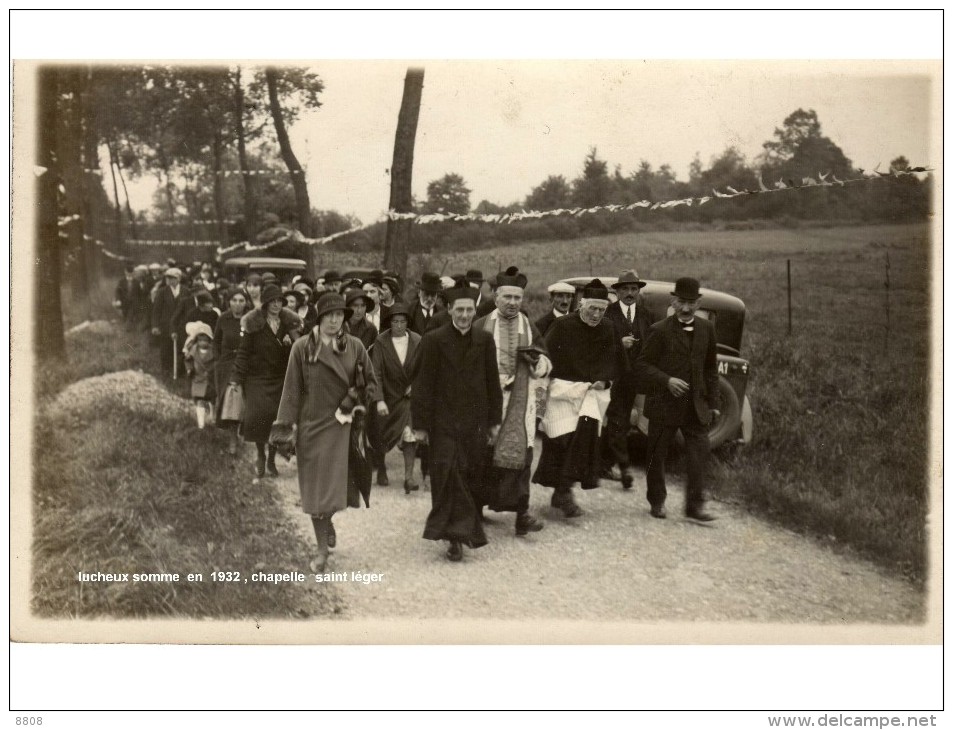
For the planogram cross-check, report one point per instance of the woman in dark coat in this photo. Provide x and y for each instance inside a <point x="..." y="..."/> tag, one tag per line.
<point x="360" y="304"/>
<point x="225" y="344"/>
<point x="394" y="358"/>
<point x="324" y="372"/>
<point x="305" y="310"/>
<point x="267" y="334"/>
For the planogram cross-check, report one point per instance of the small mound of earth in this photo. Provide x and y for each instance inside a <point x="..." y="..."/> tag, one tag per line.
<point x="128" y="389"/>
<point x="95" y="327"/>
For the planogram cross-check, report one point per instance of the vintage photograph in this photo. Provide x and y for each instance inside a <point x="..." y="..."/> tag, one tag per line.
<point x="534" y="352"/>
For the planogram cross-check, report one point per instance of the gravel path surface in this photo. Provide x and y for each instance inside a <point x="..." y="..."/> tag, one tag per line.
<point x="615" y="563"/>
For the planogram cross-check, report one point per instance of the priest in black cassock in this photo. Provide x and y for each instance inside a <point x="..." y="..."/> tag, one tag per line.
<point x="456" y="406"/>
<point x="582" y="349"/>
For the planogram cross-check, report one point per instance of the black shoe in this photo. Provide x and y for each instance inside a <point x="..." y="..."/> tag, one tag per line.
<point x="272" y="469"/>
<point x="332" y="535"/>
<point x="700" y="516"/>
<point x="382" y="480"/>
<point x="455" y="553"/>
<point x="260" y="467"/>
<point x="658" y="512"/>
<point x="572" y="510"/>
<point x="526" y="523"/>
<point x="410" y="487"/>
<point x="627" y="478"/>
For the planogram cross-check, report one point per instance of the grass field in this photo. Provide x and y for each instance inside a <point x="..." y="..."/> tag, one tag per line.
<point x="840" y="409"/>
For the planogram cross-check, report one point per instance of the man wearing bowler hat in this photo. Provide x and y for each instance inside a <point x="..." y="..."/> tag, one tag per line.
<point x="680" y="368"/>
<point x="484" y="306"/>
<point x="631" y="322"/>
<point x="425" y="306"/>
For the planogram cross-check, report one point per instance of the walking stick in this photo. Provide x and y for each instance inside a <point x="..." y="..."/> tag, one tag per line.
<point x="175" y="356"/>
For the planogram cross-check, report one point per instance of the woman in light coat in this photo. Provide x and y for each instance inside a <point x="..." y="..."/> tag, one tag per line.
<point x="321" y="390"/>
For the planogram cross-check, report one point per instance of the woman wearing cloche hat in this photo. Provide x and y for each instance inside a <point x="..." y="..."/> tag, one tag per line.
<point x="267" y="334"/>
<point x="327" y="386"/>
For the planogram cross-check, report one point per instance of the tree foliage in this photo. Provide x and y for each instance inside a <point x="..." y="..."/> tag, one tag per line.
<point x="448" y="194"/>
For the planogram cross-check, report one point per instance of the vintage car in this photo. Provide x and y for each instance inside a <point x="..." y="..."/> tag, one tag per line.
<point x="727" y="313"/>
<point x="237" y="268"/>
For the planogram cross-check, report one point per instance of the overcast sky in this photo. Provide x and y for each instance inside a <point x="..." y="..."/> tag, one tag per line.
<point x="505" y="126"/>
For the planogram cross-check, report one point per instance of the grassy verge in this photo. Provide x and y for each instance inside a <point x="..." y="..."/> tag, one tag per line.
<point x="840" y="405"/>
<point x="125" y="483"/>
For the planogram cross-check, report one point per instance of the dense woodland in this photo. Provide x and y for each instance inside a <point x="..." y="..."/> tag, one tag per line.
<point x="216" y="141"/>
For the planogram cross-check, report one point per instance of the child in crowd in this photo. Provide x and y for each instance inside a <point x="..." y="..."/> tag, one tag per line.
<point x="199" y="363"/>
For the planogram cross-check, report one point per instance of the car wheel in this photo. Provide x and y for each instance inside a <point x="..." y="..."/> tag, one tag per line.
<point x="727" y="424"/>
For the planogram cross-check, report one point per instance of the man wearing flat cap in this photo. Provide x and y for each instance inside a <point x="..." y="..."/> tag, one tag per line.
<point x="631" y="322"/>
<point x="582" y="349"/>
<point x="522" y="363"/>
<point x="680" y="367"/>
<point x="560" y="298"/>
<point x="456" y="406"/>
<point x="164" y="306"/>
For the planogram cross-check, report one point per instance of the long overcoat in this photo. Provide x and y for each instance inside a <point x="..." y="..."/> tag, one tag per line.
<point x="260" y="367"/>
<point x="395" y="379"/>
<point x="316" y="381"/>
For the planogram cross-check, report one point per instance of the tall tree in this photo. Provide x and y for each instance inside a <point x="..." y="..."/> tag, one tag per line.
<point x="48" y="342"/>
<point x="448" y="194"/>
<point x="594" y="187"/>
<point x="554" y="192"/>
<point x="397" y="240"/>
<point x="288" y="82"/>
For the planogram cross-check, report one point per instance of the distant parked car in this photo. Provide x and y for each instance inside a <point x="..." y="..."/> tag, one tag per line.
<point x="727" y="313"/>
<point x="237" y="268"/>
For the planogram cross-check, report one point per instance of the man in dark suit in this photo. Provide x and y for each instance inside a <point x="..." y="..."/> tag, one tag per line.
<point x="424" y="306"/>
<point x="164" y="306"/>
<point x="631" y="322"/>
<point x="560" y="296"/>
<point x="456" y="407"/>
<point x="679" y="363"/>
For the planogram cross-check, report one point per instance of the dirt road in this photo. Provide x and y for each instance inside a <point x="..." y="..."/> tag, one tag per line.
<point x="615" y="563"/>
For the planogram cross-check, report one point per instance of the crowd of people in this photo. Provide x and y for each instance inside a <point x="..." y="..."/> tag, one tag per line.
<point x="340" y="373"/>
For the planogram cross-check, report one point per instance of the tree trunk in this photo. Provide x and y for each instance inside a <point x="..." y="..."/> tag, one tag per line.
<point x="397" y="241"/>
<point x="132" y="217"/>
<point x="298" y="182"/>
<point x="217" y="189"/>
<point x="48" y="308"/>
<point x="112" y="172"/>
<point x="249" y="183"/>
<point x="70" y="154"/>
<point x="92" y="187"/>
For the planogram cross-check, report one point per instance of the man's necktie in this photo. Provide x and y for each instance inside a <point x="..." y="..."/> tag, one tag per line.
<point x="629" y="314"/>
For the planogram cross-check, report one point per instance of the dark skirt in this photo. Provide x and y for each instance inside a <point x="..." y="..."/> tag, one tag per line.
<point x="505" y="490"/>
<point x="570" y="458"/>
<point x="453" y="467"/>
<point x="262" y="396"/>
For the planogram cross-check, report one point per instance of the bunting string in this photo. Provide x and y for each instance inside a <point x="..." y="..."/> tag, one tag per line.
<point x="823" y="180"/>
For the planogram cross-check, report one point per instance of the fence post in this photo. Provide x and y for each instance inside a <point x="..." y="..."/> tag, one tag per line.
<point x="590" y="264"/>
<point x="789" y="297"/>
<point x="887" y="302"/>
